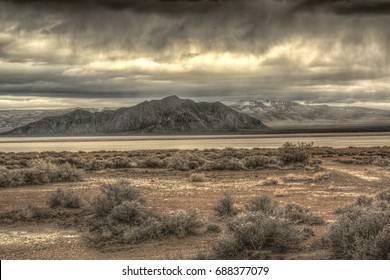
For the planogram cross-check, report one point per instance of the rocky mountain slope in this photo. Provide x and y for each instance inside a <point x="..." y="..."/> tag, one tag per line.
<point x="170" y="115"/>
<point x="271" y="111"/>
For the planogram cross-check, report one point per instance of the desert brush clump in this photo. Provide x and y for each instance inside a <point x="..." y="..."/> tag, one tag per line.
<point x="263" y="204"/>
<point x="300" y="215"/>
<point x="151" y="162"/>
<point x="384" y="195"/>
<point x="261" y="161"/>
<point x="113" y="195"/>
<point x="30" y="213"/>
<point x="225" y="206"/>
<point x="180" y="223"/>
<point x="290" y="153"/>
<point x="63" y="198"/>
<point x="185" y="161"/>
<point x="293" y="212"/>
<point x="122" y="217"/>
<point x="213" y="228"/>
<point x="256" y="231"/>
<point x="39" y="172"/>
<point x="265" y="226"/>
<point x="362" y="231"/>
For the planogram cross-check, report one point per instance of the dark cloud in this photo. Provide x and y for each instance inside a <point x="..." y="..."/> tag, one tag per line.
<point x="170" y="7"/>
<point x="314" y="51"/>
<point x="345" y="7"/>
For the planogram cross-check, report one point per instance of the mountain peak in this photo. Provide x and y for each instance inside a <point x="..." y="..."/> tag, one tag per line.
<point x="171" y="98"/>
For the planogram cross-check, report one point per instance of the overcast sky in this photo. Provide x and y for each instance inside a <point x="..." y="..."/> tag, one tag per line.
<point x="89" y="53"/>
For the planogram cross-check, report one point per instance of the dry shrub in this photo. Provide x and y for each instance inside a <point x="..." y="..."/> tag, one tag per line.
<point x="224" y="164"/>
<point x="213" y="228"/>
<point x="62" y="198"/>
<point x="256" y="231"/>
<point x="179" y="223"/>
<point x="58" y="173"/>
<point x="261" y="161"/>
<point x="291" y="153"/>
<point x="262" y="204"/>
<point x="113" y="195"/>
<point x="121" y="216"/>
<point x="186" y="161"/>
<point x="130" y="212"/>
<point x="95" y="165"/>
<point x="152" y="163"/>
<point x="225" y="206"/>
<point x="29" y="213"/>
<point x="10" y="178"/>
<point x="364" y="201"/>
<point x="384" y="195"/>
<point x="121" y="162"/>
<point x="295" y="213"/>
<point x="40" y="173"/>
<point x="141" y="226"/>
<point x="33" y="212"/>
<point x="228" y="247"/>
<point x="362" y="231"/>
<point x="380" y="161"/>
<point x="34" y="177"/>
<point x="300" y="215"/>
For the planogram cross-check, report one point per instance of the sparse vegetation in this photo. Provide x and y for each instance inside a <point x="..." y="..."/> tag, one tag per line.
<point x="112" y="196"/>
<point x="384" y="195"/>
<point x="213" y="228"/>
<point x="62" y="198"/>
<point x="262" y="204"/>
<point x="268" y="223"/>
<point x="362" y="231"/>
<point x="300" y="215"/>
<point x="225" y="206"/>
<point x="28" y="213"/>
<point x="256" y="231"/>
<point x="121" y="217"/>
<point x="41" y="172"/>
<point x="60" y="166"/>
<point x="291" y="153"/>
<point x="264" y="227"/>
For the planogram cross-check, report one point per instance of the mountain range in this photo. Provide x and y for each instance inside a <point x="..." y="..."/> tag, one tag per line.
<point x="173" y="115"/>
<point x="170" y="115"/>
<point x="287" y="113"/>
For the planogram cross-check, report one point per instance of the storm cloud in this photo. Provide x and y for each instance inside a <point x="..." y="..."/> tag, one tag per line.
<point x="346" y="7"/>
<point x="327" y="51"/>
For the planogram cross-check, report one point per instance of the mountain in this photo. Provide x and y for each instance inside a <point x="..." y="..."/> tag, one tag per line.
<point x="170" y="115"/>
<point x="275" y="113"/>
<point x="10" y="119"/>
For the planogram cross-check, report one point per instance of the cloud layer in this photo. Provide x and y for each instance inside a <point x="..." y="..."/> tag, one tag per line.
<point x="327" y="51"/>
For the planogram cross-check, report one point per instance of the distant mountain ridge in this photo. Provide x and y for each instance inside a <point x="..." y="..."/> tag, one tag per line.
<point x="10" y="119"/>
<point x="170" y="115"/>
<point x="273" y="111"/>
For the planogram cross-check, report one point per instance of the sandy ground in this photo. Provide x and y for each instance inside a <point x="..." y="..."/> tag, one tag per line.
<point x="323" y="190"/>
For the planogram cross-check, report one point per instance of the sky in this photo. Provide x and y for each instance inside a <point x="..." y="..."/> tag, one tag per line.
<point x="116" y="53"/>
